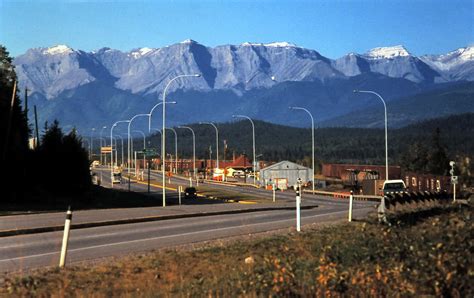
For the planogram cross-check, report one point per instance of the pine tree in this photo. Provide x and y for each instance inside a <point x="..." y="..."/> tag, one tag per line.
<point x="14" y="130"/>
<point x="438" y="162"/>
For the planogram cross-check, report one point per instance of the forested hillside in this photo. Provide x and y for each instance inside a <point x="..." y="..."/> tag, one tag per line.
<point x="334" y="145"/>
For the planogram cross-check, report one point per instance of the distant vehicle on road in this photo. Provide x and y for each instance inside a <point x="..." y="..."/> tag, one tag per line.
<point x="238" y="173"/>
<point x="393" y="187"/>
<point x="95" y="179"/>
<point x="190" y="193"/>
<point x="117" y="177"/>
<point x="95" y="163"/>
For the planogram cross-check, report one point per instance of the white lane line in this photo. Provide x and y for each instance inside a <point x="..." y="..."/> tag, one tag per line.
<point x="42" y="241"/>
<point x="169" y="236"/>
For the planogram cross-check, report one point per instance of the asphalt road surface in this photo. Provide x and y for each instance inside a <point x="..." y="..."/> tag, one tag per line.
<point x="39" y="250"/>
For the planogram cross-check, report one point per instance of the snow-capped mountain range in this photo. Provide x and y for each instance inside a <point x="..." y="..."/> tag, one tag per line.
<point x="50" y="71"/>
<point x="60" y="72"/>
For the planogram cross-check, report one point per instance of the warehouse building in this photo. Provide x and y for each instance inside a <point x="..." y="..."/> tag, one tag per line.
<point x="284" y="175"/>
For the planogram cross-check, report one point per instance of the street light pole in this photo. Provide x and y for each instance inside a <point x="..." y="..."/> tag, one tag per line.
<point x="194" y="148"/>
<point x="128" y="133"/>
<point x="91" y="144"/>
<point x="175" y="148"/>
<point x="112" y="152"/>
<point x="116" y="155"/>
<point x="152" y="109"/>
<point x="312" y="139"/>
<point x="144" y="143"/>
<point x="386" y="138"/>
<point x="100" y="150"/>
<point x="217" y="141"/>
<point x="163" y="139"/>
<point x="254" y="167"/>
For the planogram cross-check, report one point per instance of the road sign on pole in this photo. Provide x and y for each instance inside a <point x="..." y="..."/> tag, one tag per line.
<point x="149" y="152"/>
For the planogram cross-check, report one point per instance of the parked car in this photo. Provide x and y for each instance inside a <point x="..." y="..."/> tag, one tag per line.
<point x="190" y="193"/>
<point x="238" y="173"/>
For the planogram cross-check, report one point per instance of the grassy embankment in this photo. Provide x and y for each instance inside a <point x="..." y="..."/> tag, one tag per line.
<point x="430" y="254"/>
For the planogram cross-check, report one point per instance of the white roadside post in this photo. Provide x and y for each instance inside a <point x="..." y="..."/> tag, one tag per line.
<point x="274" y="190"/>
<point x="67" y="227"/>
<point x="180" y="189"/>
<point x="453" y="179"/>
<point x="350" y="206"/>
<point x="190" y="182"/>
<point x="298" y="205"/>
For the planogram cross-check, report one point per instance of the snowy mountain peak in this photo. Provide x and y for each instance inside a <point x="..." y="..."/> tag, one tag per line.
<point x="58" y="50"/>
<point x="467" y="53"/>
<point x="140" y="52"/>
<point x="387" y="52"/>
<point x="188" y="41"/>
<point x="282" y="44"/>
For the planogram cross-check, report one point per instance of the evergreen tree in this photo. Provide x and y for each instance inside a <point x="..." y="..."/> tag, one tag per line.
<point x="14" y="130"/>
<point x="415" y="158"/>
<point x="438" y="159"/>
<point x="64" y="161"/>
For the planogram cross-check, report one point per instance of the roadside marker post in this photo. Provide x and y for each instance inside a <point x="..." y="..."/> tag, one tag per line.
<point x="67" y="227"/>
<point x="350" y="206"/>
<point x="180" y="189"/>
<point x="190" y="182"/>
<point x="454" y="179"/>
<point x="149" y="175"/>
<point x="274" y="190"/>
<point x="298" y="205"/>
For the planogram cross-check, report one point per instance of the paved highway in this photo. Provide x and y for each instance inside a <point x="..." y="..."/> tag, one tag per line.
<point x="286" y="196"/>
<point x="38" y="250"/>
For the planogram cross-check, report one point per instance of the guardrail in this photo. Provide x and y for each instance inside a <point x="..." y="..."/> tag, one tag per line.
<point x="344" y="195"/>
<point x="409" y="201"/>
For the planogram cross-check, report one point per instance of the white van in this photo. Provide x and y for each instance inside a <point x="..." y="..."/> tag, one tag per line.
<point x="394" y="186"/>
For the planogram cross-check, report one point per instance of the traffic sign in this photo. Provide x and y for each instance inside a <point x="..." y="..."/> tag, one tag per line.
<point x="106" y="149"/>
<point x="454" y="180"/>
<point x="149" y="152"/>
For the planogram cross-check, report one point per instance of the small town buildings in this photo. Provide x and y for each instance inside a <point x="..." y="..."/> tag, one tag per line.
<point x="284" y="174"/>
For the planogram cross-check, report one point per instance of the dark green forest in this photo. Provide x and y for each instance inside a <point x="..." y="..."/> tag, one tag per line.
<point x="434" y="141"/>
<point x="332" y="145"/>
<point x="58" y="165"/>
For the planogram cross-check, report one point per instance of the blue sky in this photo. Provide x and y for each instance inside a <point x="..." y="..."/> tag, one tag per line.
<point x="333" y="28"/>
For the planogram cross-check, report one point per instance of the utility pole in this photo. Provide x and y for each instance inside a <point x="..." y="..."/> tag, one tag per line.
<point x="36" y="128"/>
<point x="26" y="104"/>
<point x="7" y="136"/>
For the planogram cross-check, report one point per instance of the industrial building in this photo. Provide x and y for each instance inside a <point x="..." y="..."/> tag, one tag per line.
<point x="284" y="174"/>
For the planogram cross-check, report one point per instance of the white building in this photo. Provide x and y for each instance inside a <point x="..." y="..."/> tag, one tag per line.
<point x="284" y="174"/>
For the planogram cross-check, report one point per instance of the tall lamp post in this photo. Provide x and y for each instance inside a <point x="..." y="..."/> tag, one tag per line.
<point x="175" y="148"/>
<point x="128" y="133"/>
<point x="100" y="135"/>
<point x="194" y="148"/>
<point x="217" y="141"/>
<point x="144" y="143"/>
<point x="112" y="152"/>
<point x="386" y="139"/>
<point x="312" y="139"/>
<point x="254" y="165"/>
<point x="91" y="144"/>
<point x="116" y="154"/>
<point x="153" y="109"/>
<point x="163" y="139"/>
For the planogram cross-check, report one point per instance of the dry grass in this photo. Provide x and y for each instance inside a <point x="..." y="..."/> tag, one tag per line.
<point x="429" y="255"/>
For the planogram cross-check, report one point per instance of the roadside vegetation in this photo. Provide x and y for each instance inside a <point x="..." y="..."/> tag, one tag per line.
<point x="426" y="253"/>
